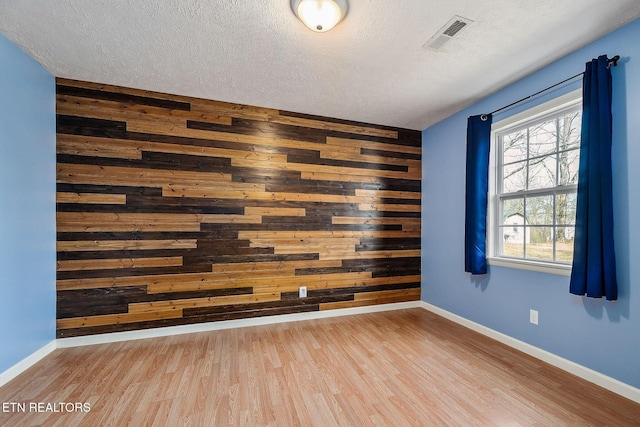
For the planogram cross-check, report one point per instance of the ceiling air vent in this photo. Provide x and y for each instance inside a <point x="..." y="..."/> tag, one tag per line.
<point x="447" y="32"/>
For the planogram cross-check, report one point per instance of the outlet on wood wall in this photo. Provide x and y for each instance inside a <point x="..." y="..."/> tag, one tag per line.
<point x="174" y="210"/>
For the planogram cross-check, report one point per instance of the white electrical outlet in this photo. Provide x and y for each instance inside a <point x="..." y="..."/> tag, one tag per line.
<point x="533" y="316"/>
<point x="302" y="291"/>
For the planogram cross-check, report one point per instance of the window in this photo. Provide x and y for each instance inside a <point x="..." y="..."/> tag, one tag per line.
<point x="535" y="157"/>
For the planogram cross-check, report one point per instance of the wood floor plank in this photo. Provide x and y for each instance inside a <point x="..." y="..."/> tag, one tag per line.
<point x="398" y="368"/>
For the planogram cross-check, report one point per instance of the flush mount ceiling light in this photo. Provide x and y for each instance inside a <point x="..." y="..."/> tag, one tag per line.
<point x="320" y="15"/>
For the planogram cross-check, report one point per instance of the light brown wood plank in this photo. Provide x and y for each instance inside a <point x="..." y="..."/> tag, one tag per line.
<point x="332" y="126"/>
<point x="338" y="170"/>
<point x="80" y="145"/>
<point x="266" y="284"/>
<point x="286" y="243"/>
<point x="287" y="268"/>
<point x="389" y="194"/>
<point x="322" y="176"/>
<point x="136" y="177"/>
<point x="120" y="245"/>
<point x="389" y="207"/>
<point x="372" y="254"/>
<point x="168" y="305"/>
<point x="349" y="156"/>
<point x="110" y="319"/>
<point x="375" y="220"/>
<point x="91" y="198"/>
<point x="230" y="192"/>
<point x="104" y="264"/>
<point x="114" y="110"/>
<point x="231" y="219"/>
<point x="404" y="294"/>
<point x="133" y="149"/>
<point x="321" y="282"/>
<point x="338" y="249"/>
<point x="227" y="190"/>
<point x="374" y="145"/>
<point x="233" y="110"/>
<point x="252" y="210"/>
<point x="320" y="234"/>
<point x="93" y="221"/>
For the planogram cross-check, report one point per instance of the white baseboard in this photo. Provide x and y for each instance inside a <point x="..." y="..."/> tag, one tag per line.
<point x="26" y="363"/>
<point x="583" y="372"/>
<point x="226" y="324"/>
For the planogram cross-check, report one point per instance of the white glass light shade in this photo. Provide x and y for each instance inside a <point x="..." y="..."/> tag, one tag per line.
<point x="320" y="15"/>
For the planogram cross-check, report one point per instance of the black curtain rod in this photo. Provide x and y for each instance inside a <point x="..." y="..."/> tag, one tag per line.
<point x="613" y="61"/>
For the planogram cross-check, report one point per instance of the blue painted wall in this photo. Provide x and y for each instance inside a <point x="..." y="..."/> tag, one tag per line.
<point x="601" y="335"/>
<point x="27" y="205"/>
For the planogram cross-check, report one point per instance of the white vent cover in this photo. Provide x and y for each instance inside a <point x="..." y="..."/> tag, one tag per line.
<point x="447" y="32"/>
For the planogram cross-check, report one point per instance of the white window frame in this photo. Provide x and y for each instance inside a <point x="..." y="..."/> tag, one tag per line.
<point x="557" y="104"/>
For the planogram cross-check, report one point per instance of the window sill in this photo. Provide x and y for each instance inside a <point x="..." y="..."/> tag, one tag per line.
<point x="540" y="267"/>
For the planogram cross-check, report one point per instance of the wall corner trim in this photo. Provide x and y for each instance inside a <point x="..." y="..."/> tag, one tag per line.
<point x="595" y="377"/>
<point x="26" y="363"/>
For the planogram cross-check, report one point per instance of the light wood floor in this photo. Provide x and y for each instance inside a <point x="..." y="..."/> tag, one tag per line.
<point x="400" y="368"/>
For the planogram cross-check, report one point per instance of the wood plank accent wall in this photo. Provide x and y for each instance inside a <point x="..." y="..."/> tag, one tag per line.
<point x="174" y="210"/>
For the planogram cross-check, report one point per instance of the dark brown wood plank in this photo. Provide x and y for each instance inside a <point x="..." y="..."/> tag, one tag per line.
<point x="121" y="97"/>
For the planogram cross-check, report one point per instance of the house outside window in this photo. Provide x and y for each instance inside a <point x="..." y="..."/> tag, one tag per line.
<point x="533" y="186"/>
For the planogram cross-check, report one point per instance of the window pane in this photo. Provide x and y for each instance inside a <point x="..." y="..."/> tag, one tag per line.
<point x="542" y="173"/>
<point x="568" y="166"/>
<point x="564" y="244"/>
<point x="513" y="239"/>
<point x="566" y="208"/>
<point x="570" y="125"/>
<point x="513" y="212"/>
<point x="540" y="245"/>
<point x="514" y="146"/>
<point x="514" y="177"/>
<point x="543" y="138"/>
<point x="540" y="210"/>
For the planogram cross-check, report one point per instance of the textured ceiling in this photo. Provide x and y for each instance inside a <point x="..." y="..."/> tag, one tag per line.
<point x="370" y="68"/>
